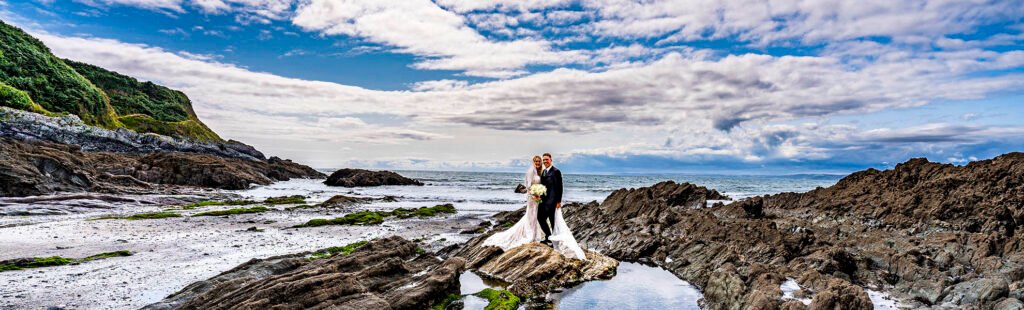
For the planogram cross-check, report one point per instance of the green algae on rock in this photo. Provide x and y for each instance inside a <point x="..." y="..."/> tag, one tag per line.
<point x="140" y="216"/>
<point x="499" y="299"/>
<point x="343" y="250"/>
<point x="377" y="217"/>
<point x="284" y="200"/>
<point x="257" y="209"/>
<point x="39" y="262"/>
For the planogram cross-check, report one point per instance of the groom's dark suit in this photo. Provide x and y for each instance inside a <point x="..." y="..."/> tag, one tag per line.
<point x="552" y="180"/>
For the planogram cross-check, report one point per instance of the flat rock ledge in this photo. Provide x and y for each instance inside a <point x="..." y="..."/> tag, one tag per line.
<point x="366" y="178"/>
<point x="534" y="269"/>
<point x="383" y="274"/>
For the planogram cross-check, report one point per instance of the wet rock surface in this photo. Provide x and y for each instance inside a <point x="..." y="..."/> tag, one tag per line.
<point x="934" y="235"/>
<point x="36" y="168"/>
<point x="534" y="269"/>
<point x="362" y="178"/>
<point x="386" y="273"/>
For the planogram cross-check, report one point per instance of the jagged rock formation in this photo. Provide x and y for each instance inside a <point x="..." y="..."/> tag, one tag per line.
<point x="69" y="129"/>
<point x="933" y="234"/>
<point x="383" y="274"/>
<point x="532" y="269"/>
<point x="35" y="168"/>
<point x="360" y="178"/>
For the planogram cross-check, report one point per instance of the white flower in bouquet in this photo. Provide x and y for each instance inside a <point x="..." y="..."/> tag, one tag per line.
<point x="537" y="191"/>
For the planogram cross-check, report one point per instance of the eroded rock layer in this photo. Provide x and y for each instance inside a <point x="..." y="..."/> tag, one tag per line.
<point x="385" y="273"/>
<point x="36" y="168"/>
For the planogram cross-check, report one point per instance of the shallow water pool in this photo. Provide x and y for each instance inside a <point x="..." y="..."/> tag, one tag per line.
<point x="635" y="286"/>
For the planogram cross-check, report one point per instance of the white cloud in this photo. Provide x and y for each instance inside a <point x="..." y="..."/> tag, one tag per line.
<point x="422" y="28"/>
<point x="805" y="21"/>
<point x="463" y="6"/>
<point x="157" y="5"/>
<point x="174" y="31"/>
<point x="619" y="99"/>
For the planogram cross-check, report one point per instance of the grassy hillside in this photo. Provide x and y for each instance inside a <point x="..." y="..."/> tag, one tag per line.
<point x="27" y="65"/>
<point x="33" y="79"/>
<point x="15" y="98"/>
<point x="147" y="107"/>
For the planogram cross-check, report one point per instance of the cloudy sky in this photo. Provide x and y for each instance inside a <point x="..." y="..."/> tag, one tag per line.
<point x="729" y="86"/>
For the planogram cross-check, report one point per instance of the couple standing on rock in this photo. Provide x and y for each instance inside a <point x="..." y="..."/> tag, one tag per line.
<point x="543" y="221"/>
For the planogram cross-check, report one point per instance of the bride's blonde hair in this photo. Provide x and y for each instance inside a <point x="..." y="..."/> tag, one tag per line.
<point x="537" y="158"/>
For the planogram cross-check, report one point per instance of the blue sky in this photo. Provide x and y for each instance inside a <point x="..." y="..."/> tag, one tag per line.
<point x="607" y="85"/>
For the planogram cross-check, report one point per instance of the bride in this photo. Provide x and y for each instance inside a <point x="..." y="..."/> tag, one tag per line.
<point x="527" y="229"/>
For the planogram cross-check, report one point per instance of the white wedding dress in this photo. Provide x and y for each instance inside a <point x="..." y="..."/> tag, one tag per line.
<point x="527" y="229"/>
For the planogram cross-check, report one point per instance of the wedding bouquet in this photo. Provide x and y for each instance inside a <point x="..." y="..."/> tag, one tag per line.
<point x="537" y="190"/>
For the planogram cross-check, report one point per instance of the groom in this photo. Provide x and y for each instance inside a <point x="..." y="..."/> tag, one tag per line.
<point x="551" y="178"/>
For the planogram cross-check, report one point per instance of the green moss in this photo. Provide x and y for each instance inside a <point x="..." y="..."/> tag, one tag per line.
<point x="343" y="250"/>
<point x="447" y="300"/>
<point x="377" y="217"/>
<point x="499" y="299"/>
<point x="286" y="200"/>
<point x="218" y="203"/>
<point x="107" y="255"/>
<point x="420" y="251"/>
<point x="358" y="218"/>
<point x="37" y="262"/>
<point x="258" y="209"/>
<point x="423" y="211"/>
<point x="141" y="216"/>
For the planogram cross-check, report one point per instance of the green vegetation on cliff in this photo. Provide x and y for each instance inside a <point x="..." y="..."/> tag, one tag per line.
<point x="28" y="65"/>
<point x="33" y="79"/>
<point x="145" y="106"/>
<point x="15" y="98"/>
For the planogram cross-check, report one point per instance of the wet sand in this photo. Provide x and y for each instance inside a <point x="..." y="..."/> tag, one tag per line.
<point x="173" y="252"/>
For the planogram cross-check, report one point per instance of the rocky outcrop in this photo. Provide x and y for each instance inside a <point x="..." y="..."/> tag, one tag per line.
<point x="35" y="168"/>
<point x="937" y="235"/>
<point x="69" y="129"/>
<point x="361" y="178"/>
<point x="285" y="169"/>
<point x="384" y="274"/>
<point x="534" y="269"/>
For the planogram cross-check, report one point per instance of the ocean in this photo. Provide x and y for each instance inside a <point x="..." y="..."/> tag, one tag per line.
<point x="491" y="192"/>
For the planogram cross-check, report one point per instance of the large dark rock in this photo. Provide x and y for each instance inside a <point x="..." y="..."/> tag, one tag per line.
<point x="360" y="178"/>
<point x="919" y="229"/>
<point x="533" y="269"/>
<point x="383" y="274"/>
<point x="36" y="168"/>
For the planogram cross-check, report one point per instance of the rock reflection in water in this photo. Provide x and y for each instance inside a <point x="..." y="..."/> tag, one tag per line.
<point x="471" y="283"/>
<point x="634" y="287"/>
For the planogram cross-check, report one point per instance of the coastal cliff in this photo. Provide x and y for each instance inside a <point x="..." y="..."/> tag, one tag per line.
<point x="70" y="126"/>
